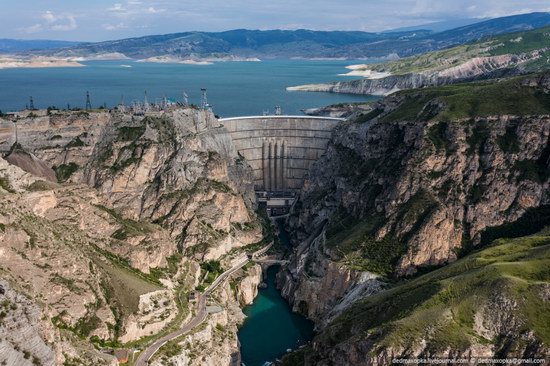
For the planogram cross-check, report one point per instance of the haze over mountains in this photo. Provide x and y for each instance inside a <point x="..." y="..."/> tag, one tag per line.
<point x="296" y="43"/>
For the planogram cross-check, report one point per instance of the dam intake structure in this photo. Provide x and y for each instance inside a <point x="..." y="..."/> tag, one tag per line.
<point x="280" y="150"/>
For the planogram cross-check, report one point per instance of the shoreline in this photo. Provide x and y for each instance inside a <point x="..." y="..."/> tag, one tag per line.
<point x="14" y="63"/>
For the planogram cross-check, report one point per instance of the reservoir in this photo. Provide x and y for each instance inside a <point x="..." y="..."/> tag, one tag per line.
<point x="271" y="327"/>
<point x="234" y="88"/>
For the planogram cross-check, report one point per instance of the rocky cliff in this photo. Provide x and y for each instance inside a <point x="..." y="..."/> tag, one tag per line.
<point x="417" y="182"/>
<point x="104" y="257"/>
<point x="179" y="170"/>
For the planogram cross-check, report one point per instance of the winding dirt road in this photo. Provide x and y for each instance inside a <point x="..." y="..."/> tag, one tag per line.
<point x="200" y="316"/>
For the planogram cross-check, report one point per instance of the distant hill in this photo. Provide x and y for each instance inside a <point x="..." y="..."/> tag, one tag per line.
<point x="493" y="57"/>
<point x="438" y="26"/>
<point x="304" y="43"/>
<point x="16" y="45"/>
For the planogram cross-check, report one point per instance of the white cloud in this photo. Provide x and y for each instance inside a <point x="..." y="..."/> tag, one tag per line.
<point x="117" y="8"/>
<point x="152" y="10"/>
<point x="62" y="22"/>
<point x="49" y="17"/>
<point x="33" y="29"/>
<point x="133" y="8"/>
<point x="114" y="27"/>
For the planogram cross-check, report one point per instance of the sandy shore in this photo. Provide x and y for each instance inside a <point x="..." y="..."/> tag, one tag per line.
<point x="173" y="60"/>
<point x="364" y="71"/>
<point x="200" y="61"/>
<point x="35" y="63"/>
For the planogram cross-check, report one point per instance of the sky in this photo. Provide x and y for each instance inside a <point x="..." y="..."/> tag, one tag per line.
<point x="97" y="20"/>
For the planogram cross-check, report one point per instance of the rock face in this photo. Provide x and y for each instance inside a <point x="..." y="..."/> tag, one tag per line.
<point x="320" y="288"/>
<point x="20" y="324"/>
<point x="178" y="169"/>
<point x="404" y="189"/>
<point x="343" y="110"/>
<point x="474" y="308"/>
<point x="109" y="260"/>
<point x="469" y="71"/>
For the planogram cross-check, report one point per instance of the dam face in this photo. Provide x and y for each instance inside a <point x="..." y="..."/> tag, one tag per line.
<point x="280" y="149"/>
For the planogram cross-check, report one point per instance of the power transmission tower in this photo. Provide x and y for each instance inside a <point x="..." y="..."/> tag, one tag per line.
<point x="88" y="102"/>
<point x="185" y="99"/>
<point x="204" y="99"/>
<point x="278" y="110"/>
<point x="31" y="104"/>
<point x="145" y="103"/>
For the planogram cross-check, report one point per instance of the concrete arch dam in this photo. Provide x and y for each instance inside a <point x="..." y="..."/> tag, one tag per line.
<point x="280" y="149"/>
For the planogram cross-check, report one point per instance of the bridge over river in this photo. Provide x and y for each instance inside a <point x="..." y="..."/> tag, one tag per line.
<point x="280" y="150"/>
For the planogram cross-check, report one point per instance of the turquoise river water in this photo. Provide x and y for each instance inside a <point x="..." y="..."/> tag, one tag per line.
<point x="271" y="328"/>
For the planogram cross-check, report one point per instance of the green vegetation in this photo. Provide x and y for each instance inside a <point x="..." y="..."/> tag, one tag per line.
<point x="437" y="135"/>
<point x="370" y="115"/>
<point x="353" y="241"/>
<point x="66" y="282"/>
<point x="82" y="328"/>
<point x="477" y="138"/>
<point x="164" y="127"/>
<point x="128" y="227"/>
<point x="121" y="288"/>
<point x="124" y="264"/>
<point x="39" y="185"/>
<point x="170" y="349"/>
<point x="509" y="141"/>
<point x="212" y="270"/>
<point x="76" y="142"/>
<point x="130" y="133"/>
<point x="534" y="170"/>
<point x="532" y="221"/>
<point x="128" y="155"/>
<point x="5" y="184"/>
<point x="410" y="108"/>
<point x="440" y="306"/>
<point x="511" y="43"/>
<point x="182" y="291"/>
<point x="5" y="307"/>
<point x="470" y="100"/>
<point x="64" y="171"/>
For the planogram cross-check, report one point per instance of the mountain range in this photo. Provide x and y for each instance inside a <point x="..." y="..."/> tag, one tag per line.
<point x="300" y="43"/>
<point x="18" y="45"/>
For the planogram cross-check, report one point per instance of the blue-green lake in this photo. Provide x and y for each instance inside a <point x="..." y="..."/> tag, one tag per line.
<point x="271" y="328"/>
<point x="234" y="88"/>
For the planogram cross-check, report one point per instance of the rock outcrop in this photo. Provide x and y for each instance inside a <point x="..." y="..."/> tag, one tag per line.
<point x="178" y="169"/>
<point x="411" y="186"/>
<point x="108" y="262"/>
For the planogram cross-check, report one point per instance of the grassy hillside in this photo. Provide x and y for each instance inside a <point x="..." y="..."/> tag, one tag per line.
<point x="514" y="43"/>
<point x="509" y="278"/>
<point x="502" y="97"/>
